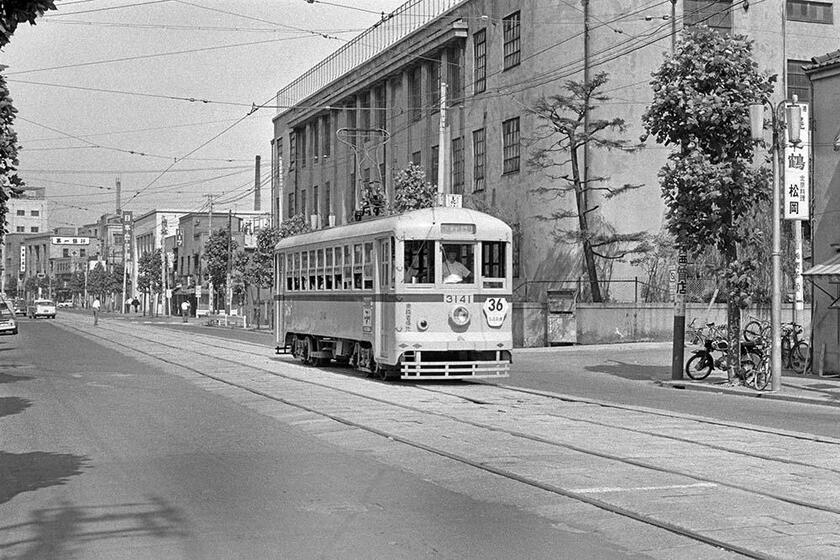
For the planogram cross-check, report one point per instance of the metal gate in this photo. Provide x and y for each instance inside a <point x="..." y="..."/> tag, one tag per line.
<point x="560" y="316"/>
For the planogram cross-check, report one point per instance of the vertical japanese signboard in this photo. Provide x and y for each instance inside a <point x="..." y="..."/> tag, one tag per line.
<point x="797" y="171"/>
<point x="127" y="218"/>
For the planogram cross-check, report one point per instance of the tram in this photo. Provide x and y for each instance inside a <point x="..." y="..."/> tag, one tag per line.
<point x="421" y="295"/>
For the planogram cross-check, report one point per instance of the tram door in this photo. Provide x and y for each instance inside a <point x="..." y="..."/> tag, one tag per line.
<point x="279" y="290"/>
<point x="384" y="304"/>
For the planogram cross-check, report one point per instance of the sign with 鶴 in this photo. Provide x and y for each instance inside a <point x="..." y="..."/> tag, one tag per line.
<point x="797" y="165"/>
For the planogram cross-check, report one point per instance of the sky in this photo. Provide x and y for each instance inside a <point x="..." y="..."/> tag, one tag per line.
<point x="103" y="90"/>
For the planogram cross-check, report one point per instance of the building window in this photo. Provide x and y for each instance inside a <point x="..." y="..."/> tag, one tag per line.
<point x="797" y="82"/>
<point x="33" y="229"/>
<point x="303" y="202"/>
<point x="415" y="96"/>
<point x="327" y="199"/>
<point x="34" y="212"/>
<point x="810" y="12"/>
<point x="291" y="205"/>
<point x="315" y="208"/>
<point x="326" y="147"/>
<point x="316" y="141"/>
<point x="292" y="150"/>
<point x="453" y="75"/>
<point x="479" y="150"/>
<point x="21" y="213"/>
<point x="65" y="252"/>
<point x="82" y="253"/>
<point x="458" y="165"/>
<point x="380" y="107"/>
<point x="480" y="61"/>
<point x="512" y="43"/>
<point x="433" y="95"/>
<point x="417" y="158"/>
<point x="717" y="14"/>
<point x="364" y="110"/>
<point x="510" y="141"/>
<point x="20" y="229"/>
<point x="302" y="146"/>
<point x="435" y="163"/>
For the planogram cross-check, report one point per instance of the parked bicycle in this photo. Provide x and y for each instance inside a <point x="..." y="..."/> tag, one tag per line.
<point x="757" y="330"/>
<point x="796" y="351"/>
<point x="695" y="335"/>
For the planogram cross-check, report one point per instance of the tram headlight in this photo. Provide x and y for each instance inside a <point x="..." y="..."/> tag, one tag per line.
<point x="422" y="325"/>
<point x="460" y="315"/>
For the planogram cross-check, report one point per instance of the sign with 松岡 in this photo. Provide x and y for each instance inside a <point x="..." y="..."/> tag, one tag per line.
<point x="797" y="169"/>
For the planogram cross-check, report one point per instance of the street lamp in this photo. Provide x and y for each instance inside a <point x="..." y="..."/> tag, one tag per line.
<point x="778" y="121"/>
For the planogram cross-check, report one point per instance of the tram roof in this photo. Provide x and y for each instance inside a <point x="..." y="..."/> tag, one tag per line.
<point x="414" y="224"/>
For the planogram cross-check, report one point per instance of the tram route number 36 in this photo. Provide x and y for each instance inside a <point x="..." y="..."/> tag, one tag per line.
<point x="495" y="310"/>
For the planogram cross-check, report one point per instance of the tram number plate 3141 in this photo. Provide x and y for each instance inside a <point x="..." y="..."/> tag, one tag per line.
<point x="457" y="298"/>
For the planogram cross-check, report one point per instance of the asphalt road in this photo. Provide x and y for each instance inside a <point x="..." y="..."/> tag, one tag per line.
<point x="625" y="373"/>
<point x="102" y="456"/>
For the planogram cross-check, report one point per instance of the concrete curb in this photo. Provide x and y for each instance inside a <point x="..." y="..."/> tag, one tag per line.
<point x="744" y="392"/>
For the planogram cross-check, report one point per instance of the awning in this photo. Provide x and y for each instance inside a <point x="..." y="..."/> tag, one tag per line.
<point x="831" y="267"/>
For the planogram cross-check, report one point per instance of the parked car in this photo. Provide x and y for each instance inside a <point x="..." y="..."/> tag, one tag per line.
<point x="42" y="308"/>
<point x="65" y="304"/>
<point x="8" y="325"/>
<point x="19" y="307"/>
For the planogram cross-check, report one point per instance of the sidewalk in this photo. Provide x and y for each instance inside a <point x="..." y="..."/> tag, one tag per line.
<point x="809" y="389"/>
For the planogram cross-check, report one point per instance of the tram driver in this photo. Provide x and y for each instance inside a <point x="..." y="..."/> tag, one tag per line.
<point x="454" y="271"/>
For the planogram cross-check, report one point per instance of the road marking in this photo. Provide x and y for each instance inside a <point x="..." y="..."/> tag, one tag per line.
<point x="605" y="489"/>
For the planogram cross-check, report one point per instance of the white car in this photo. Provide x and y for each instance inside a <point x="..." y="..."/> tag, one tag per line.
<point x="8" y="325"/>
<point x="42" y="308"/>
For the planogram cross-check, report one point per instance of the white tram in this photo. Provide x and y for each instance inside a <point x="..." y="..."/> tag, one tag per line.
<point x="420" y="295"/>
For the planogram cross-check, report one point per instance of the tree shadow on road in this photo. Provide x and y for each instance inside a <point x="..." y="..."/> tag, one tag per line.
<point x="62" y="531"/>
<point x="24" y="472"/>
<point x="13" y="405"/>
<point x="9" y="378"/>
<point x="635" y="372"/>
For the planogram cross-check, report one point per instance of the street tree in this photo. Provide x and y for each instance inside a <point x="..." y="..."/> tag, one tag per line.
<point x="411" y="189"/>
<point x="219" y="249"/>
<point x="12" y="13"/>
<point x="260" y="266"/>
<point x="98" y="281"/>
<point x="562" y="135"/>
<point x="293" y="226"/>
<point x="149" y="273"/>
<point x="711" y="190"/>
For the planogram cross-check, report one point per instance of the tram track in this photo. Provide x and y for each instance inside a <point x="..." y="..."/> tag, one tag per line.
<point x="226" y="345"/>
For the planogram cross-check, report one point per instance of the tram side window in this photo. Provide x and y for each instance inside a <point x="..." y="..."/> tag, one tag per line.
<point x="457" y="263"/>
<point x="304" y="270"/>
<point x="348" y="268"/>
<point x="296" y="272"/>
<point x="328" y="268"/>
<point x="367" y="274"/>
<point x="312" y="267"/>
<point x="339" y="263"/>
<point x="319" y="271"/>
<point x="386" y="263"/>
<point x="419" y="262"/>
<point x="357" y="266"/>
<point x="290" y="271"/>
<point x="493" y="264"/>
<point x="280" y="264"/>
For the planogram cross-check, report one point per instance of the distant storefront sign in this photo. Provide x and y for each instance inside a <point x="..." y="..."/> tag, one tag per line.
<point x="70" y="240"/>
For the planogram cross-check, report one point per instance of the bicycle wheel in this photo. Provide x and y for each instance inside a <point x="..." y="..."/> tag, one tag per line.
<point x="786" y="352"/>
<point x="753" y="331"/>
<point x="761" y="375"/>
<point x="699" y="366"/>
<point x="799" y="356"/>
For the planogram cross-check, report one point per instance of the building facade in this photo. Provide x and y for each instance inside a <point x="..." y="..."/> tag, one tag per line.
<point x="51" y="258"/>
<point x="27" y="214"/>
<point x="373" y="107"/>
<point x="824" y="275"/>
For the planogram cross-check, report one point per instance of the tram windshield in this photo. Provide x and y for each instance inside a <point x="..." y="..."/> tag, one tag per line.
<point x="457" y="263"/>
<point x="419" y="262"/>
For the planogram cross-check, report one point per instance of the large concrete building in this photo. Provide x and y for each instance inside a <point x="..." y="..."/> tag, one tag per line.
<point x="26" y="215"/>
<point x="498" y="58"/>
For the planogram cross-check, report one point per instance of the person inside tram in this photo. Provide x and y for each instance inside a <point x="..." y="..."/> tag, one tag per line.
<point x="454" y="272"/>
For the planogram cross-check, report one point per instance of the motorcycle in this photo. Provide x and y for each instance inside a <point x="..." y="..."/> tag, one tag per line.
<point x="701" y="364"/>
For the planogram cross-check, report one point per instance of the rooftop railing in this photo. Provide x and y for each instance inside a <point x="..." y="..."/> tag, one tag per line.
<point x="392" y="27"/>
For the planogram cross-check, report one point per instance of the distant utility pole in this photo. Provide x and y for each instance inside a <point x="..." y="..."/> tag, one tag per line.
<point x="257" y="202"/>
<point x="444" y="147"/>
<point x="164" y="230"/>
<point x="228" y="288"/>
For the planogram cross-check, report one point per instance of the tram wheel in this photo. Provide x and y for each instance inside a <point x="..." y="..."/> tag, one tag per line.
<point x="307" y="350"/>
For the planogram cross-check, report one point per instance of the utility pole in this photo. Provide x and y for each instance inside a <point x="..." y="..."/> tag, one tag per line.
<point x="210" y="198"/>
<point x="257" y="202"/>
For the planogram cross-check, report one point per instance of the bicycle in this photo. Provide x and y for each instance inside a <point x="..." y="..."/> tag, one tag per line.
<point x="795" y="350"/>
<point x="756" y="330"/>
<point x="701" y="364"/>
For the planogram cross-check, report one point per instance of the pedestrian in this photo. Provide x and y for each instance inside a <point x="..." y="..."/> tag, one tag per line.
<point x="136" y="303"/>
<point x="185" y="310"/>
<point x="96" y="305"/>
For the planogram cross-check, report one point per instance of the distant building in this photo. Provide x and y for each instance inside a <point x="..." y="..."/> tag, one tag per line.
<point x="55" y="256"/>
<point x="25" y="215"/>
